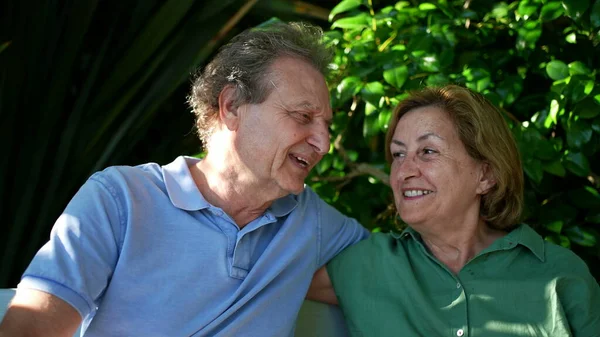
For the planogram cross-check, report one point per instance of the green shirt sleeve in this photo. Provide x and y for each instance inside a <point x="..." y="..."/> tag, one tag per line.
<point x="580" y="294"/>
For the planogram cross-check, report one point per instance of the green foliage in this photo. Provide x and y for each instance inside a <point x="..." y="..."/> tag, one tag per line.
<point x="536" y="60"/>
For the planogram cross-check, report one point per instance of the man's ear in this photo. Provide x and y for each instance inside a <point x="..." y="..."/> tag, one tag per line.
<point x="486" y="180"/>
<point x="228" y="110"/>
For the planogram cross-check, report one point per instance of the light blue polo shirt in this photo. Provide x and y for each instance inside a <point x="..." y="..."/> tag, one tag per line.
<point x="139" y="252"/>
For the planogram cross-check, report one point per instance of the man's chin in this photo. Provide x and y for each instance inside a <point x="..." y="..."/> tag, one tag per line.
<point x="295" y="188"/>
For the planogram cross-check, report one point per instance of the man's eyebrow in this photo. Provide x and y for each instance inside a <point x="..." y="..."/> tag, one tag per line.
<point x="421" y="138"/>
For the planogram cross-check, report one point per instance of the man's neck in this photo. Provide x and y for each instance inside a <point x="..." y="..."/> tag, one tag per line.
<point x="223" y="187"/>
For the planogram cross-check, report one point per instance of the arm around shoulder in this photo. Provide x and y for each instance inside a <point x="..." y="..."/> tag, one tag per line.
<point x="321" y="289"/>
<point x="36" y="313"/>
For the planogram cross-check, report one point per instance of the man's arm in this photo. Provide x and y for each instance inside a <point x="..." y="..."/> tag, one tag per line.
<point x="321" y="289"/>
<point x="36" y="313"/>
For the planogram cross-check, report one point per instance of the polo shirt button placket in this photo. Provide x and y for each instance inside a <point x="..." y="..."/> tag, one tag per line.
<point x="460" y="332"/>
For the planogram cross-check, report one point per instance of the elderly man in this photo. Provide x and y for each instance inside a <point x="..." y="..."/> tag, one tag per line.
<point x="224" y="246"/>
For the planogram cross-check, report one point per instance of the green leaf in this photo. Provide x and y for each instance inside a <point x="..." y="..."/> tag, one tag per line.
<point x="427" y="6"/>
<point x="571" y="38"/>
<point x="555" y="167"/>
<point x="593" y="216"/>
<point x="577" y="163"/>
<point x="534" y="144"/>
<point x="370" y="125"/>
<point x="527" y="8"/>
<point x="595" y="15"/>
<point x="554" y="226"/>
<point x="437" y="80"/>
<point x="579" y="87"/>
<point x="556" y="210"/>
<point x="369" y="108"/>
<point x="338" y="163"/>
<point x="596" y="125"/>
<point x="344" y="6"/>
<point x="552" y="10"/>
<point x="372" y="92"/>
<point x="529" y="33"/>
<point x="429" y="63"/>
<point x="384" y="119"/>
<point x="499" y="11"/>
<point x="324" y="164"/>
<point x="559" y="240"/>
<point x="533" y="169"/>
<point x="578" y="68"/>
<point x="585" y="197"/>
<point x="579" y="133"/>
<point x="557" y="70"/>
<point x="359" y="21"/>
<point x="588" y="108"/>
<point x="510" y="89"/>
<point x="575" y="8"/>
<point x="348" y="87"/>
<point x="581" y="236"/>
<point x="396" y="76"/>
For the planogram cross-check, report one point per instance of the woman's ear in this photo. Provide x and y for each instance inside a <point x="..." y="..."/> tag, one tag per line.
<point x="228" y="109"/>
<point x="486" y="180"/>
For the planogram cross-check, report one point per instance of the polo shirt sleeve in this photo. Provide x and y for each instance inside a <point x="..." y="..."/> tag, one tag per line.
<point x="336" y="231"/>
<point x="580" y="297"/>
<point x="78" y="261"/>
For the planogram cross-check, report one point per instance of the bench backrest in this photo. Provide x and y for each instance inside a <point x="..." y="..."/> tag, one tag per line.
<point x="314" y="320"/>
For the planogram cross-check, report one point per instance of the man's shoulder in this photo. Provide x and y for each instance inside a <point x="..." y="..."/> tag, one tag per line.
<point x="129" y="174"/>
<point x="119" y="180"/>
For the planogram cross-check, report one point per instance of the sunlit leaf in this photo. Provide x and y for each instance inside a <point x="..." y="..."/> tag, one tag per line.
<point x="578" y="68"/>
<point x="552" y="10"/>
<point x="359" y="21"/>
<point x="344" y="6"/>
<point x="396" y="76"/>
<point x="557" y="70"/>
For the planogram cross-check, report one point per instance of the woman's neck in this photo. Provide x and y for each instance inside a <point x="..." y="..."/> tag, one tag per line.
<point x="456" y="248"/>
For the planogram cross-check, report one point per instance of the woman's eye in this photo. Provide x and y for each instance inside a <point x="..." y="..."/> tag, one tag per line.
<point x="429" y="151"/>
<point x="397" y="154"/>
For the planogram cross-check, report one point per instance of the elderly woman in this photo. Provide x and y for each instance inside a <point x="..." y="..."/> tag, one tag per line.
<point x="464" y="266"/>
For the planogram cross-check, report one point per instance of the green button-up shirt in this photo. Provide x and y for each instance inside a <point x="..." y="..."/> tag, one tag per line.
<point x="521" y="285"/>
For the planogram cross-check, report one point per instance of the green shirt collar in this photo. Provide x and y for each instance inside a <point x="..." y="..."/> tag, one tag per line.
<point x="522" y="235"/>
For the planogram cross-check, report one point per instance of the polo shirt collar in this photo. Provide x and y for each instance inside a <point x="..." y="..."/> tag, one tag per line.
<point x="181" y="188"/>
<point x="284" y="206"/>
<point x="184" y="193"/>
<point x="522" y="235"/>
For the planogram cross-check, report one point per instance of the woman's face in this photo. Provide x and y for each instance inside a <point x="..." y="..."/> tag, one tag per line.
<point x="433" y="178"/>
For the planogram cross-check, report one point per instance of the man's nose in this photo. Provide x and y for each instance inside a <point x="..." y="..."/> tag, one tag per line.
<point x="319" y="139"/>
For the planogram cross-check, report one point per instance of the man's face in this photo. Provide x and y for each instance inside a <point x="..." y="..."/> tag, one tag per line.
<point x="280" y="140"/>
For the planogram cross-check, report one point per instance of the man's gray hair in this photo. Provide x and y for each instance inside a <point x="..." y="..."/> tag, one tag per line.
<point x="244" y="63"/>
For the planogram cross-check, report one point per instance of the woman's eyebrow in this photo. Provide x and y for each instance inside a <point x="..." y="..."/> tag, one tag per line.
<point x="420" y="139"/>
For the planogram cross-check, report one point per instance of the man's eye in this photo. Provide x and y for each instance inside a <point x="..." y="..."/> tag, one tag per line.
<point x="303" y="116"/>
